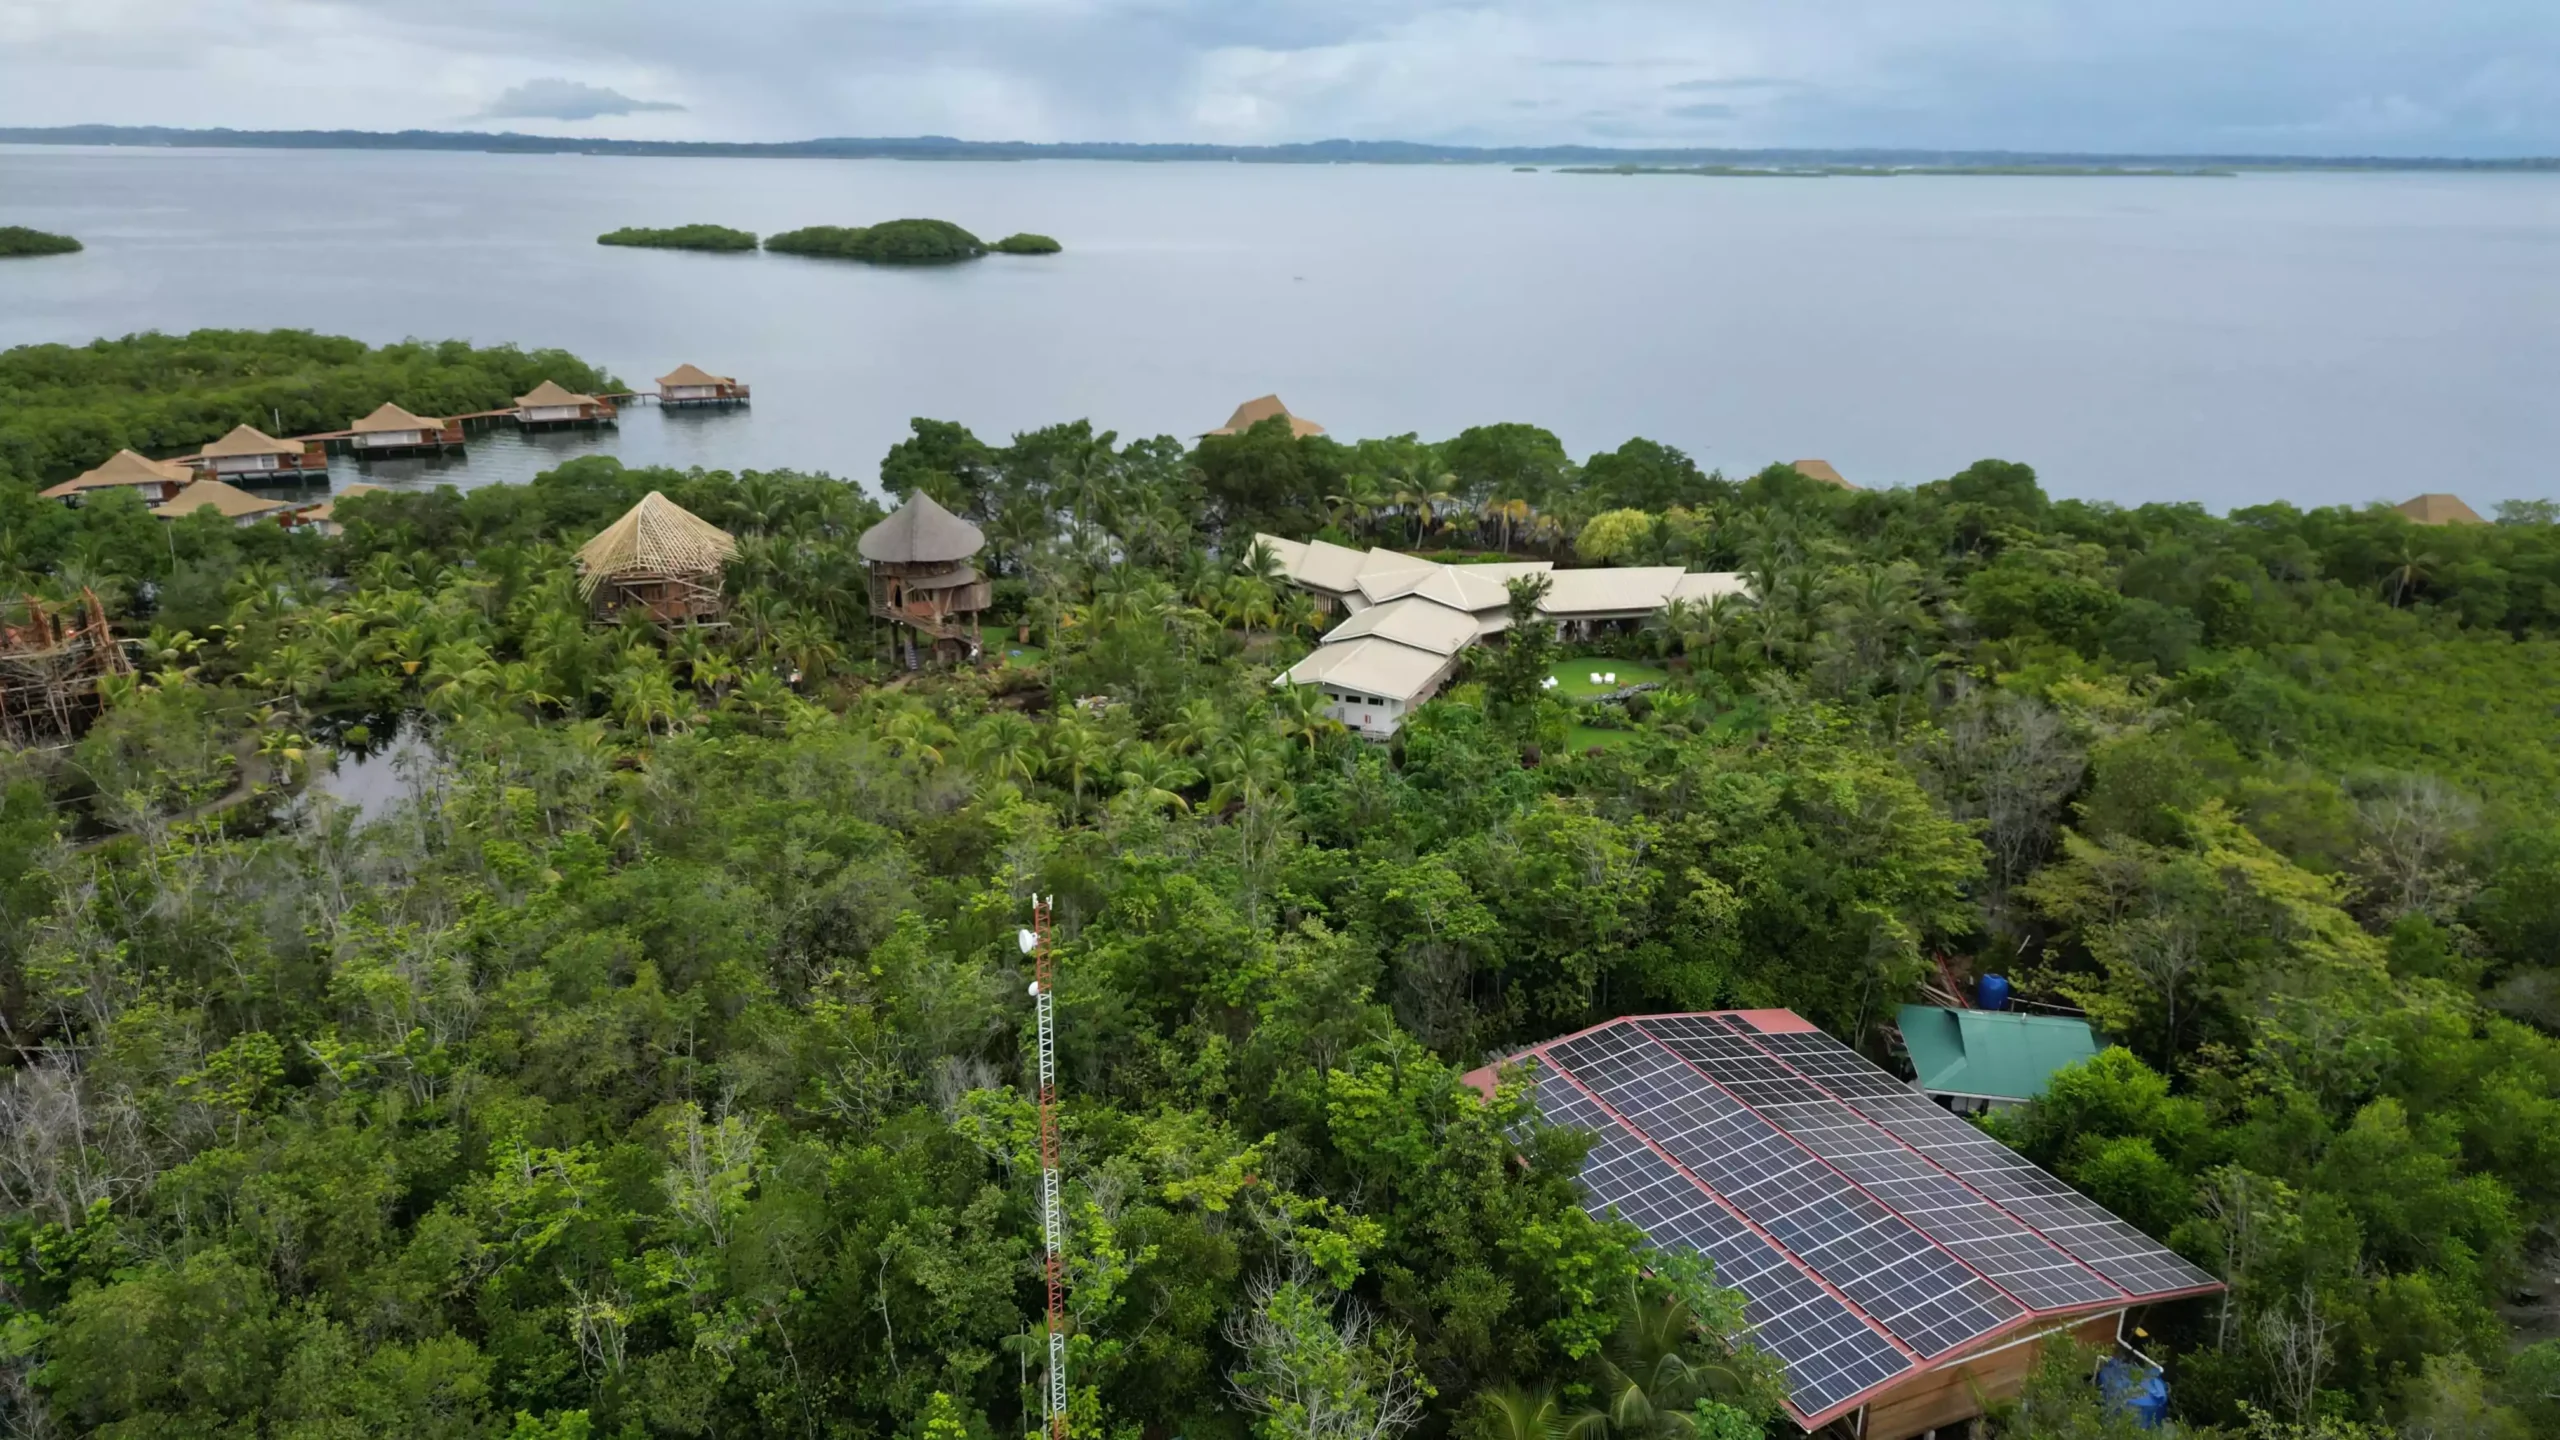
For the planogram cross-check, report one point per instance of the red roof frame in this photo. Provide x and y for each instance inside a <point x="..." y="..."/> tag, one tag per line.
<point x="1781" y="1022"/>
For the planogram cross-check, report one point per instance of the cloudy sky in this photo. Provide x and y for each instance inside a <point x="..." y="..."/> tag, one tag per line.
<point x="2467" y="77"/>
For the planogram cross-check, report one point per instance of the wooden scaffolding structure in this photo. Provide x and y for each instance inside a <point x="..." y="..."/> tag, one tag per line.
<point x="659" y="558"/>
<point x="50" y="666"/>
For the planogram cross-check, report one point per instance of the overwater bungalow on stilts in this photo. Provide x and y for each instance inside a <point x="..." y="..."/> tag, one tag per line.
<point x="693" y="385"/>
<point x="391" y="430"/>
<point x="554" y="404"/>
<point x="229" y="501"/>
<point x="660" y="559"/>
<point x="154" y="480"/>
<point x="248" y="453"/>
<point x="923" y="582"/>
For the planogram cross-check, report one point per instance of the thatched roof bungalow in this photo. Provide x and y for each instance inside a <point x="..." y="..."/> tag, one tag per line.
<point x="552" y="403"/>
<point x="234" y="504"/>
<point x="921" y="576"/>
<point x="156" y="480"/>
<point x="2438" y="508"/>
<point x="1254" y="412"/>
<point x="252" y="452"/>
<point x="693" y="385"/>
<point x="391" y="428"/>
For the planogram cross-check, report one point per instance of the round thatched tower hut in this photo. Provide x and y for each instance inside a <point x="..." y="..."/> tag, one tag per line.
<point x="922" y="579"/>
<point x="661" y="558"/>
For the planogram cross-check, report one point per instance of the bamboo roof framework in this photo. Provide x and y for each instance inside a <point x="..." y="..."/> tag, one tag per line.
<point x="50" y="666"/>
<point x="654" y="539"/>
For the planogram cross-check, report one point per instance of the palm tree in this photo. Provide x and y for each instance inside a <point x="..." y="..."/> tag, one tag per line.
<point x="913" y="730"/>
<point x="1078" y="751"/>
<point x="1512" y="1413"/>
<point x="1655" y="1371"/>
<point x="644" y="696"/>
<point x="1299" y="714"/>
<point x="1153" y="779"/>
<point x="2410" y="570"/>
<point x="1004" y="746"/>
<point x="1505" y="516"/>
<point x="1194" y="727"/>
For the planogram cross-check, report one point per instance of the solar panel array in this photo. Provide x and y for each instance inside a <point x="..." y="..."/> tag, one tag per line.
<point x="1869" y="1231"/>
<point x="1830" y="1353"/>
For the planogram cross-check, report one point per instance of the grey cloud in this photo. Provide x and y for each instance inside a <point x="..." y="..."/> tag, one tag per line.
<point x="1702" y="112"/>
<point x="2344" y="76"/>
<point x="553" y="98"/>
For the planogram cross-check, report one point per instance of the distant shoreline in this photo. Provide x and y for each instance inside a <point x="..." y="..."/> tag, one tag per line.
<point x="1322" y="152"/>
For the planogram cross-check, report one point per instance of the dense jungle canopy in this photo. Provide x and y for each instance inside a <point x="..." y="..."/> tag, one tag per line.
<point x="654" y="1065"/>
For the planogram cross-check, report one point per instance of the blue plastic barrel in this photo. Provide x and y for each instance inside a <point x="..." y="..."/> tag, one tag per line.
<point x="1993" y="992"/>
<point x="2136" y="1390"/>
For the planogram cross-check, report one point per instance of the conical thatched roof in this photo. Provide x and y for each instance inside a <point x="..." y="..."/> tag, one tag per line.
<point x="1821" y="470"/>
<point x="249" y="440"/>
<point x="551" y="393"/>
<point x="693" y="375"/>
<point x="392" y="417"/>
<point x="1254" y="412"/>
<point x="2438" y="508"/>
<point x="921" y="533"/>
<point x="655" y="537"/>
<point x="123" y="468"/>
<point x="232" y="503"/>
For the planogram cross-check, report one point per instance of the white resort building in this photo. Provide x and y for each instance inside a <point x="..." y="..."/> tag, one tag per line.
<point x="1408" y="618"/>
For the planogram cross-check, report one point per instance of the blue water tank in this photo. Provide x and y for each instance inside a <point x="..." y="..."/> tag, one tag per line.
<point x="2137" y="1390"/>
<point x="1992" y="993"/>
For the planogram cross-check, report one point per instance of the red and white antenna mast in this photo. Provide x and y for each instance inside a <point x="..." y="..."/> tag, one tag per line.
<point x="1044" y="972"/>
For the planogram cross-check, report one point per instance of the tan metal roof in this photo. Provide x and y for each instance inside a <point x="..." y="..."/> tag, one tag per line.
<point x="1371" y="666"/>
<point x="1254" y="412"/>
<point x="328" y="509"/>
<point x="249" y="440"/>
<point x="1708" y="585"/>
<point x="1573" y="594"/>
<point x="1821" y="470"/>
<point x="231" y="502"/>
<point x="1292" y="554"/>
<point x="122" y="468"/>
<point x="693" y="375"/>
<point x="1414" y="621"/>
<point x="2437" y="508"/>
<point x="550" y="393"/>
<point x="921" y="533"/>
<point x="392" y="418"/>
<point x="655" y="537"/>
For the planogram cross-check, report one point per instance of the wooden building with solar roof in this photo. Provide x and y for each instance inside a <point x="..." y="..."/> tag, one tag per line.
<point x="1900" y="1264"/>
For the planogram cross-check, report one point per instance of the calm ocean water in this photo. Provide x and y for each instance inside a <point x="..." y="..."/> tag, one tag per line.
<point x="2320" y="338"/>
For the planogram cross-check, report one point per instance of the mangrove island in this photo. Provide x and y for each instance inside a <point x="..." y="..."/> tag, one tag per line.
<point x="19" y="240"/>
<point x="681" y="237"/>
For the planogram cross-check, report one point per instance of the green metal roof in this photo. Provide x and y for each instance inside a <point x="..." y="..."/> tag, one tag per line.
<point x="1991" y="1054"/>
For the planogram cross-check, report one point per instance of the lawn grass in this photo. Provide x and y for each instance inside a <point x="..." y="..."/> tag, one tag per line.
<point x="1583" y="737"/>
<point x="1574" y="676"/>
<point x="1029" y="657"/>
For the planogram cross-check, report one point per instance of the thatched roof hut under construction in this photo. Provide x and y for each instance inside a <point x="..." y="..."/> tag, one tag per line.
<point x="658" y="556"/>
<point x="2437" y="508"/>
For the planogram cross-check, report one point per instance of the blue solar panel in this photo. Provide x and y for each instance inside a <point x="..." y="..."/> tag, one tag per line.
<point x="1829" y="1353"/>
<point x="1883" y="1263"/>
<point x="1942" y="1206"/>
<point x="2062" y="1215"/>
